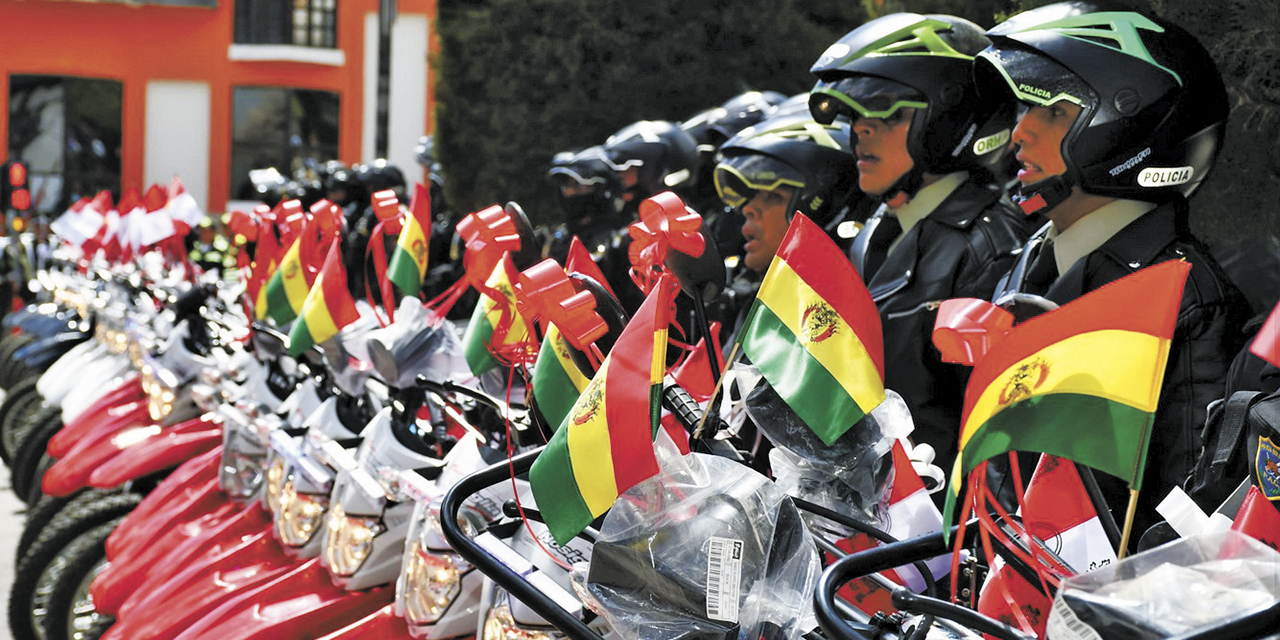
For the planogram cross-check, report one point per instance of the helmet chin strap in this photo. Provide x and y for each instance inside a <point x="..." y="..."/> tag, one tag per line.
<point x="1043" y="195"/>
<point x="904" y="189"/>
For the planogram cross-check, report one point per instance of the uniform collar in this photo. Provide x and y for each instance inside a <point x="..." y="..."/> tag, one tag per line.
<point x="926" y="201"/>
<point x="1092" y="231"/>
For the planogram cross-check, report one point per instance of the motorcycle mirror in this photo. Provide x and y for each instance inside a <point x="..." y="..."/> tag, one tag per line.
<point x="530" y="251"/>
<point x="702" y="275"/>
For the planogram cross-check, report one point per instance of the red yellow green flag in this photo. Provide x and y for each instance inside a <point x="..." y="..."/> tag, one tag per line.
<point x="557" y="382"/>
<point x="1080" y="382"/>
<point x="495" y="322"/>
<point x="328" y="308"/>
<point x="814" y="333"/>
<point x="408" y="266"/>
<point x="282" y="297"/>
<point x="605" y="444"/>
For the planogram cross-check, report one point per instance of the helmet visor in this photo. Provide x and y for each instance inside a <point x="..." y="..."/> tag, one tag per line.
<point x="738" y="179"/>
<point x="861" y="97"/>
<point x="1031" y="78"/>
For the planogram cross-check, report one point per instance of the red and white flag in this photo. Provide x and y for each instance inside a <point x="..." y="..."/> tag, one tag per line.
<point x="911" y="514"/>
<point x="182" y="206"/>
<point x="1059" y="514"/>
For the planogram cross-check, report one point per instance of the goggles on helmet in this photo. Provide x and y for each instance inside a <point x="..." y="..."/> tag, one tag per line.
<point x="861" y="97"/>
<point x="739" y="178"/>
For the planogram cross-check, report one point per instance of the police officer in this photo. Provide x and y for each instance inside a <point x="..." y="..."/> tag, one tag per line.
<point x="1116" y="132"/>
<point x="926" y="146"/>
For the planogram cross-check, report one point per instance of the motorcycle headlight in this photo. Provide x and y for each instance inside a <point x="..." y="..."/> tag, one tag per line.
<point x="300" y="515"/>
<point x="242" y="460"/>
<point x="160" y="393"/>
<point x="500" y="625"/>
<point x="348" y="541"/>
<point x="275" y="484"/>
<point x="433" y="582"/>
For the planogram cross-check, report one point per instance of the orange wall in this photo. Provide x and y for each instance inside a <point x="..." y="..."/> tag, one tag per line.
<point x="134" y="44"/>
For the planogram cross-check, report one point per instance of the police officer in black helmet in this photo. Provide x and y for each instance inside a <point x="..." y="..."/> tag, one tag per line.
<point x="928" y="148"/>
<point x="1121" y="118"/>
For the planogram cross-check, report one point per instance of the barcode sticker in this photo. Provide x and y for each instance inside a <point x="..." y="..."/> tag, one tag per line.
<point x="1064" y="625"/>
<point x="724" y="578"/>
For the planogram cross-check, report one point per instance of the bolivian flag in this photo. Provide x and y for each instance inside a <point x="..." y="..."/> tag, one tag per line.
<point x="495" y="322"/>
<point x="328" y="308"/>
<point x="408" y="266"/>
<point x="814" y="333"/>
<point x="282" y="297"/>
<point x="605" y="444"/>
<point x="1080" y="382"/>
<point x="557" y="382"/>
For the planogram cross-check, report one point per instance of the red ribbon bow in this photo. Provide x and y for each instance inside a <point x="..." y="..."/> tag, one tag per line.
<point x="665" y="224"/>
<point x="488" y="234"/>
<point x="387" y="207"/>
<point x="545" y="291"/>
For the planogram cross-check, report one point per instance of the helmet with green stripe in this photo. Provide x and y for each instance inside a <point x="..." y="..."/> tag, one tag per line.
<point x="794" y="151"/>
<point x="1153" y="106"/>
<point x="922" y="62"/>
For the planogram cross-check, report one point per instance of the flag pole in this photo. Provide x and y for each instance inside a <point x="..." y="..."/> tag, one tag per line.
<point x="715" y="393"/>
<point x="1128" y="524"/>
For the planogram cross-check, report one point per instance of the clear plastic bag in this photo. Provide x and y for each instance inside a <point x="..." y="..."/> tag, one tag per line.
<point x="853" y="475"/>
<point x="708" y="548"/>
<point x="416" y="344"/>
<point x="1191" y="584"/>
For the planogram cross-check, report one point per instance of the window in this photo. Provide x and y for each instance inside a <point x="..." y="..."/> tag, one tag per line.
<point x="68" y="131"/>
<point x="306" y="23"/>
<point x="288" y="129"/>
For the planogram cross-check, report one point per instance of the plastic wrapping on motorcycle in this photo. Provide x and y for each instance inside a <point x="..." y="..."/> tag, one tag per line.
<point x="417" y="343"/>
<point x="1222" y="585"/>
<point x="853" y="475"/>
<point x="707" y="549"/>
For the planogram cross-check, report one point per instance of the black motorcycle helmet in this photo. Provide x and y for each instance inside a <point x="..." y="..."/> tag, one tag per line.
<point x="586" y="188"/>
<point x="664" y="156"/>
<point x="380" y="175"/>
<point x="792" y="150"/>
<point x="908" y="60"/>
<point x="713" y="127"/>
<point x="1154" y="107"/>
<point x="343" y="186"/>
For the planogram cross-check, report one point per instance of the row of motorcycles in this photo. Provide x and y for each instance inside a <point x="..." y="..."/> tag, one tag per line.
<point x="188" y="477"/>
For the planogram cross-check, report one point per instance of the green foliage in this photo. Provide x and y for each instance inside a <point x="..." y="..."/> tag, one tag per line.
<point x="519" y="80"/>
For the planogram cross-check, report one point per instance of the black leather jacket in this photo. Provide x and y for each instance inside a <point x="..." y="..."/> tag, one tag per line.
<point x="1206" y="338"/>
<point x="959" y="250"/>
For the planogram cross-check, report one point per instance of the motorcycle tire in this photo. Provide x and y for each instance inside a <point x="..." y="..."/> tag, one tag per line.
<point x="41" y="513"/>
<point x="7" y="346"/>
<point x="33" y="580"/>
<point x="26" y="470"/>
<point x="70" y="613"/>
<point x="22" y="432"/>
<point x="19" y="394"/>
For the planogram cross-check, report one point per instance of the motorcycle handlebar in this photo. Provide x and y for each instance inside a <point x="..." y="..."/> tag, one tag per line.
<point x="490" y="565"/>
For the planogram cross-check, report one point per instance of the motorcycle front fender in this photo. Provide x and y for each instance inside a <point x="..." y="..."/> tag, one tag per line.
<point x="296" y="606"/>
<point x="71" y="472"/>
<point x="122" y="403"/>
<point x="383" y="624"/>
<point x="165" y="450"/>
<point x="180" y="497"/>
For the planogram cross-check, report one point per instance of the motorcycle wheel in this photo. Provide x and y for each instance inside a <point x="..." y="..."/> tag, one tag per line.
<point x="41" y="513"/>
<point x="70" y="613"/>
<point x="26" y="471"/>
<point x="7" y="346"/>
<point x="38" y="570"/>
<point x="23" y="431"/>
<point x="16" y="401"/>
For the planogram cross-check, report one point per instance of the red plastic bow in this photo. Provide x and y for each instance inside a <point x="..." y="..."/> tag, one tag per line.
<point x="387" y="207"/>
<point x="665" y="224"/>
<point x="967" y="328"/>
<point x="289" y="216"/>
<point x="488" y="234"/>
<point x="545" y="291"/>
<point x="328" y="216"/>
